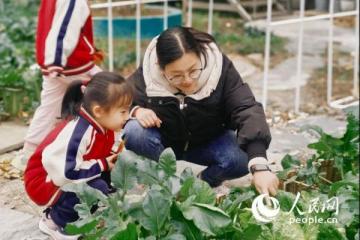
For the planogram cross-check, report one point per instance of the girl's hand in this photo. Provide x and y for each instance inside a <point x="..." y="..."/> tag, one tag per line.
<point x="266" y="182"/>
<point x="147" y="118"/>
<point x="111" y="160"/>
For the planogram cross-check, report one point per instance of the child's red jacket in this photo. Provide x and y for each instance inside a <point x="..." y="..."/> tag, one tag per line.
<point x="75" y="151"/>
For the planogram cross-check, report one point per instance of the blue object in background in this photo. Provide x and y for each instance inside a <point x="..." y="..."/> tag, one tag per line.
<point x="125" y="27"/>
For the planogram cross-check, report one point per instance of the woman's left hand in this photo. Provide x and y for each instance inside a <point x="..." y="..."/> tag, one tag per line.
<point x="266" y="182"/>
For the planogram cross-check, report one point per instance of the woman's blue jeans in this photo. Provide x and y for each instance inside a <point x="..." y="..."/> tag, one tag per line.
<point x="223" y="157"/>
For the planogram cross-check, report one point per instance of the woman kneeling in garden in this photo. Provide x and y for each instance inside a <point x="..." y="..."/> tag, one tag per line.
<point x="190" y="97"/>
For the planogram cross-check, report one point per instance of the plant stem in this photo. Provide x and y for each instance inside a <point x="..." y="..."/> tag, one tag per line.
<point x="325" y="180"/>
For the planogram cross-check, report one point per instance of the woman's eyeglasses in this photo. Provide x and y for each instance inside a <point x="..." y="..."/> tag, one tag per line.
<point x="194" y="74"/>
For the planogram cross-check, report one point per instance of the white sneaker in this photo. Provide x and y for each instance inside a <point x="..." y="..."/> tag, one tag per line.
<point x="20" y="160"/>
<point x="47" y="226"/>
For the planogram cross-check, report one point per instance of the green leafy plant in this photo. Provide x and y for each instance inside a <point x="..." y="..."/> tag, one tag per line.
<point x="172" y="207"/>
<point x="334" y="157"/>
<point x="17" y="55"/>
<point x="184" y="207"/>
<point x="332" y="171"/>
<point x="343" y="151"/>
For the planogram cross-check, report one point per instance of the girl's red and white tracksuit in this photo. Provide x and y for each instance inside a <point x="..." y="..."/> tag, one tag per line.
<point x="65" y="52"/>
<point x="75" y="151"/>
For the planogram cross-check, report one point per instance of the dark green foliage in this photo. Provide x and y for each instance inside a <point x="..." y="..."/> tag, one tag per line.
<point x="17" y="55"/>
<point x="184" y="207"/>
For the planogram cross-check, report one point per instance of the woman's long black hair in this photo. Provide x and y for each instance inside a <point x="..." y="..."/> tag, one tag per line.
<point x="105" y="89"/>
<point x="173" y="43"/>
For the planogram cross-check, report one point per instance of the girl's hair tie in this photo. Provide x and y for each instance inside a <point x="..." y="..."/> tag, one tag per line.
<point x="83" y="87"/>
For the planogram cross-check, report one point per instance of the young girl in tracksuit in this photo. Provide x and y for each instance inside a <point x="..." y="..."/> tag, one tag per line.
<point x="78" y="149"/>
<point x="65" y="52"/>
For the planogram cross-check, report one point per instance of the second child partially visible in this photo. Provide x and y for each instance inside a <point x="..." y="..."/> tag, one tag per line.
<point x="65" y="52"/>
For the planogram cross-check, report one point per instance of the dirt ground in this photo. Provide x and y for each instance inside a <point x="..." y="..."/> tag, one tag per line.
<point x="12" y="191"/>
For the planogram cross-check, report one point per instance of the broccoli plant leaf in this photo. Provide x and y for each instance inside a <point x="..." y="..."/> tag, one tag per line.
<point x="85" y="228"/>
<point x="207" y="218"/>
<point x="124" y="173"/>
<point x="201" y="190"/>
<point x="130" y="233"/>
<point x="85" y="193"/>
<point x="252" y="232"/>
<point x="167" y="162"/>
<point x="184" y="226"/>
<point x="156" y="210"/>
<point x="148" y="172"/>
<point x="186" y="173"/>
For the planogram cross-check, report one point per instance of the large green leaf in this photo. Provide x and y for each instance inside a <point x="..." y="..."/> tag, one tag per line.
<point x="201" y="190"/>
<point x="148" y="172"/>
<point x="186" y="173"/>
<point x="239" y="200"/>
<point x="167" y="162"/>
<point x="130" y="233"/>
<point x="86" y="228"/>
<point x="124" y="173"/>
<point x="84" y="212"/>
<point x="184" y="226"/>
<point x="207" y="218"/>
<point x="156" y="210"/>
<point x="112" y="215"/>
<point x="252" y="232"/>
<point x="173" y="185"/>
<point x="85" y="193"/>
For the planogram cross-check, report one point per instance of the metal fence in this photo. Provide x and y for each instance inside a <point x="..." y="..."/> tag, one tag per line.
<point x="270" y="24"/>
<point x="340" y="103"/>
<point x="112" y="4"/>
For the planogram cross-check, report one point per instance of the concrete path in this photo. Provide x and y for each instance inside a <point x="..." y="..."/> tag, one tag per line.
<point x="283" y="76"/>
<point x="11" y="135"/>
<point x="16" y="225"/>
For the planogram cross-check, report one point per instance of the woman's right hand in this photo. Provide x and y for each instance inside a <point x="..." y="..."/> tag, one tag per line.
<point x="147" y="118"/>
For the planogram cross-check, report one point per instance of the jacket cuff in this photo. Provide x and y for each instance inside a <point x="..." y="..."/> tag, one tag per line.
<point x="256" y="149"/>
<point x="133" y="111"/>
<point x="103" y="165"/>
<point x="54" y="68"/>
<point x="257" y="160"/>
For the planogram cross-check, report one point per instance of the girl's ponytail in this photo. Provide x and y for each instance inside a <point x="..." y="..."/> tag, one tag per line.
<point x="105" y="89"/>
<point x="72" y="100"/>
